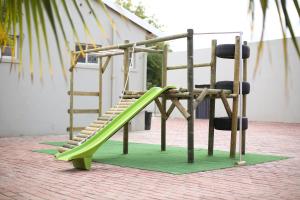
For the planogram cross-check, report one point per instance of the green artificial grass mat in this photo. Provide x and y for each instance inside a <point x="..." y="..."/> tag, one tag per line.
<point x="174" y="160"/>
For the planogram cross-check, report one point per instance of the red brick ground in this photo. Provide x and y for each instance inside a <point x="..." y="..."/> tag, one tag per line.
<point x="28" y="175"/>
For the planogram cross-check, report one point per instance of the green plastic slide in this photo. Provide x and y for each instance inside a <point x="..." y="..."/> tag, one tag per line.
<point x="81" y="156"/>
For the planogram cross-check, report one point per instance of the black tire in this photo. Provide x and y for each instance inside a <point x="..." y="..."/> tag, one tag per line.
<point x="228" y="85"/>
<point x="224" y="123"/>
<point x="227" y="51"/>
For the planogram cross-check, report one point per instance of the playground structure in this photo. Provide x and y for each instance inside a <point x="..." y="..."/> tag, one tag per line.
<point x="81" y="147"/>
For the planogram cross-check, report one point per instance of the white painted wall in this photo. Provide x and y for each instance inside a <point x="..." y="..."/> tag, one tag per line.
<point x="41" y="107"/>
<point x="267" y="100"/>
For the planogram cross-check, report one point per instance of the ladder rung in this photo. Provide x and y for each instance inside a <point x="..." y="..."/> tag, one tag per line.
<point x="62" y="149"/>
<point x="114" y="112"/>
<point x="78" y="139"/>
<point x="70" y="146"/>
<point x="87" y="132"/>
<point x="82" y="136"/>
<point x="96" y="125"/>
<point x="89" y="128"/>
<point x="73" y="142"/>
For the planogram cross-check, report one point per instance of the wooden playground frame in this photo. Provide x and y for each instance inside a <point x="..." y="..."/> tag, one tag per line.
<point x="194" y="96"/>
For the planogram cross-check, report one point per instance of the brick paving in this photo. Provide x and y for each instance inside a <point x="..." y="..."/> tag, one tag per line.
<point x="28" y="175"/>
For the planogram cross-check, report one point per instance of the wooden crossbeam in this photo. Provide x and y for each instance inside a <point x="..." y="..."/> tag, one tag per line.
<point x="200" y="98"/>
<point x="170" y="110"/>
<point x="226" y="104"/>
<point x="160" y="107"/>
<point x="180" y="107"/>
<point x="83" y="93"/>
<point x="84" y="111"/>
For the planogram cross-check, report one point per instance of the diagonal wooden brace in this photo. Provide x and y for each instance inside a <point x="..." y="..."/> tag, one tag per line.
<point x="103" y="68"/>
<point x="200" y="98"/>
<point x="170" y="110"/>
<point x="226" y="104"/>
<point x="180" y="107"/>
<point x="160" y="108"/>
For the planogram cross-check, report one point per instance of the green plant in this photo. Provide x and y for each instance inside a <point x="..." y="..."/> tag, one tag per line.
<point x="15" y="14"/>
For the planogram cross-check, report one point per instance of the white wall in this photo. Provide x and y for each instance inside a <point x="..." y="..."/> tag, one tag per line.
<point x="41" y="107"/>
<point x="268" y="100"/>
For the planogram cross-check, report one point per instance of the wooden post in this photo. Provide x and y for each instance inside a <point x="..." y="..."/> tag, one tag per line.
<point x="190" y="84"/>
<point x="71" y="114"/>
<point x="100" y="87"/>
<point x="244" y="104"/>
<point x="235" y="104"/>
<point x="126" y="87"/>
<point x="164" y="100"/>
<point x="212" y="100"/>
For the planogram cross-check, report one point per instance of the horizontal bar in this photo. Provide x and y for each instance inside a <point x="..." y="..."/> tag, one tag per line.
<point x="123" y="46"/>
<point x="197" y="90"/>
<point x="184" y="66"/>
<point x="84" y="111"/>
<point x="217" y="33"/>
<point x="141" y="49"/>
<point x="82" y="93"/>
<point x="75" y="128"/>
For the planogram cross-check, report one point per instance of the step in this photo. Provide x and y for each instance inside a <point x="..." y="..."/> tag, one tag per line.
<point x="73" y="142"/>
<point x="114" y="112"/>
<point x="128" y="100"/>
<point x="82" y="136"/>
<point x="70" y="146"/>
<point x="90" y="128"/>
<point x="87" y="132"/>
<point x="96" y="125"/>
<point x="62" y="149"/>
<point x="78" y="139"/>
<point x="104" y="118"/>
<point x="117" y="109"/>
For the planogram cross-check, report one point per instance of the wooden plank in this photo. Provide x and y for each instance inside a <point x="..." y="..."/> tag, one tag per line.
<point x="87" y="132"/>
<point x="84" y="111"/>
<point x="160" y="108"/>
<point x="235" y="103"/>
<point x="226" y="104"/>
<point x="200" y="98"/>
<point x="83" y="93"/>
<point x="131" y="96"/>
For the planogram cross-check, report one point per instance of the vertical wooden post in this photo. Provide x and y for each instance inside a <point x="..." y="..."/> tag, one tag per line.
<point x="212" y="100"/>
<point x="100" y="87"/>
<point x="126" y="87"/>
<point x="190" y="84"/>
<point x="244" y="104"/>
<point x="71" y="113"/>
<point x="164" y="101"/>
<point x="235" y="104"/>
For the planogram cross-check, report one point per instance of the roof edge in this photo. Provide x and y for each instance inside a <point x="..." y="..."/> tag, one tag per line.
<point x="135" y="19"/>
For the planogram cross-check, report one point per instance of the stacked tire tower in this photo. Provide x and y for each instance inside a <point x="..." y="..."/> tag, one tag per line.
<point x="227" y="51"/>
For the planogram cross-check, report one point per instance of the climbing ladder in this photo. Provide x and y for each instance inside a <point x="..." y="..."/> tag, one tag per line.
<point x="98" y="124"/>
